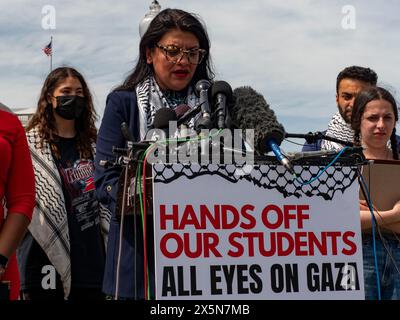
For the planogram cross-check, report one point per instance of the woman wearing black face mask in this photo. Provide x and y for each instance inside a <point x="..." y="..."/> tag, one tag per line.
<point x="62" y="255"/>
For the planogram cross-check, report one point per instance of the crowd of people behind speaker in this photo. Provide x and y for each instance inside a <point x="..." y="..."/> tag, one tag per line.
<point x="76" y="197"/>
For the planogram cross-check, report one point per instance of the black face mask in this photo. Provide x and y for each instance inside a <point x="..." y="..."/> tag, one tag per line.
<point x="70" y="107"/>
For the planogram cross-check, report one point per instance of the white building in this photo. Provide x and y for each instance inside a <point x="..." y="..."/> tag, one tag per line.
<point x="24" y="115"/>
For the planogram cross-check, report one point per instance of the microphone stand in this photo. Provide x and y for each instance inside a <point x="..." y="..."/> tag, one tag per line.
<point x="121" y="229"/>
<point x="127" y="156"/>
<point x="312" y="137"/>
<point x="186" y="117"/>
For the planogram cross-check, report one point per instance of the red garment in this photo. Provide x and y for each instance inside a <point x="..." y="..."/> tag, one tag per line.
<point x="17" y="182"/>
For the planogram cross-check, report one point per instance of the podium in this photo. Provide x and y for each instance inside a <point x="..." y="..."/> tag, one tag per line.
<point x="382" y="180"/>
<point x="254" y="232"/>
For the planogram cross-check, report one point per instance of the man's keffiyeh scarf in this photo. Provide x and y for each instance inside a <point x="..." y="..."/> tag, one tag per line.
<point x="339" y="129"/>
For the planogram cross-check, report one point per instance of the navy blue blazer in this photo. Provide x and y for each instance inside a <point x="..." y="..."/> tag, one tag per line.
<point x="121" y="106"/>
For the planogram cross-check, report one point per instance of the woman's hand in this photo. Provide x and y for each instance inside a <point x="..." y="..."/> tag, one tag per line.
<point x="12" y="233"/>
<point x="389" y="219"/>
<point x="364" y="205"/>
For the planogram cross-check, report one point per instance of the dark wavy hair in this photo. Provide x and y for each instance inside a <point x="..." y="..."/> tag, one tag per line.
<point x="362" y="99"/>
<point x="165" y="21"/>
<point x="357" y="73"/>
<point x="44" y="118"/>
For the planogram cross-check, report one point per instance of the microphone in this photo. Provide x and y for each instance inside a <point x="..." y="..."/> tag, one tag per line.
<point x="204" y="122"/>
<point x="187" y="116"/>
<point x="312" y="137"/>
<point x="161" y="121"/>
<point x="251" y="111"/>
<point x="162" y="118"/>
<point x="125" y="132"/>
<point x="222" y="95"/>
<point x="279" y="155"/>
<point x="311" y="154"/>
<point x="181" y="110"/>
<point x="130" y="141"/>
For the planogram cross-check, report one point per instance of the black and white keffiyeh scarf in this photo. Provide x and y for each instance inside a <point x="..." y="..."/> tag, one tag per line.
<point x="339" y="129"/>
<point x="150" y="98"/>
<point x="49" y="224"/>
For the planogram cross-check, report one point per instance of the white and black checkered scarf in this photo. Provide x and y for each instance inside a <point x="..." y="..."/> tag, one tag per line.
<point x="150" y="98"/>
<point x="339" y="129"/>
<point x="49" y="225"/>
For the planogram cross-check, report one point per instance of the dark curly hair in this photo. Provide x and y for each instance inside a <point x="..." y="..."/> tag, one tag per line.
<point x="165" y="21"/>
<point x="362" y="99"/>
<point x="357" y="73"/>
<point x="45" y="122"/>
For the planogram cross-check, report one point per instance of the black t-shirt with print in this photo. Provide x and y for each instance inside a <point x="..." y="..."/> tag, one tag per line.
<point x="87" y="248"/>
<point x="86" y="243"/>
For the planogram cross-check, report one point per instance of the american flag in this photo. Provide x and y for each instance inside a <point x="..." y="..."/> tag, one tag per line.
<point x="47" y="49"/>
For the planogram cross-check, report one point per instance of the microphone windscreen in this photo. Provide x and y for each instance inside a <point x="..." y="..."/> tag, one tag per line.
<point x="251" y="111"/>
<point x="223" y="88"/>
<point x="162" y="118"/>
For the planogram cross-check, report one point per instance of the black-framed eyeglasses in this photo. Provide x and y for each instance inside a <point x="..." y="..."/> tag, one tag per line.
<point x="174" y="54"/>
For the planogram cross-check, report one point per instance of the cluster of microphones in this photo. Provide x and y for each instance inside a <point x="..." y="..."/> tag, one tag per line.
<point x="214" y="115"/>
<point x="220" y="107"/>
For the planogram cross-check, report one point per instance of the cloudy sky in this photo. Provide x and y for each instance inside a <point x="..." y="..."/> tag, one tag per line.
<point x="290" y="51"/>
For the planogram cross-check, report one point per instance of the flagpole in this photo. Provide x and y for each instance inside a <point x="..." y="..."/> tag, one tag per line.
<point x="51" y="55"/>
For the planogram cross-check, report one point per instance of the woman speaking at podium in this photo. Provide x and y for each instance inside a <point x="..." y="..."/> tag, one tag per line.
<point x="173" y="56"/>
<point x="374" y="119"/>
